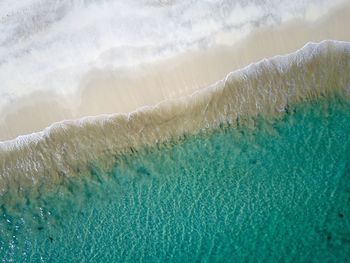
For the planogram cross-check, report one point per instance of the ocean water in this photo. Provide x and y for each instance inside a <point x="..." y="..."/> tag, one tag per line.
<point x="255" y="167"/>
<point x="277" y="191"/>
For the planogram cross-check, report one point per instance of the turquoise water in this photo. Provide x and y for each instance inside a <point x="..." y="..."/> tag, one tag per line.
<point x="278" y="192"/>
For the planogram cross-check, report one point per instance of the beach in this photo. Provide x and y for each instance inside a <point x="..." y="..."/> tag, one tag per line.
<point x="106" y="91"/>
<point x="174" y="131"/>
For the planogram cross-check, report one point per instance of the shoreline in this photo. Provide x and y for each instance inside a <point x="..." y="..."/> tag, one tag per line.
<point x="104" y="92"/>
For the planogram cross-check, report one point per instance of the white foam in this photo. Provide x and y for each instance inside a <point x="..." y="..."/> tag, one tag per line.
<point x="49" y="46"/>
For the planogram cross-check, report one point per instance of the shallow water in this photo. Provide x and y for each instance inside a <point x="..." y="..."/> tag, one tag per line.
<point x="277" y="192"/>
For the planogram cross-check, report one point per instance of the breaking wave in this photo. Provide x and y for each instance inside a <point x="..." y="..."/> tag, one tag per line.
<point x="268" y="88"/>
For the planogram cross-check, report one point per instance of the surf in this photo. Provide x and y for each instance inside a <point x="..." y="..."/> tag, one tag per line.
<point x="267" y="88"/>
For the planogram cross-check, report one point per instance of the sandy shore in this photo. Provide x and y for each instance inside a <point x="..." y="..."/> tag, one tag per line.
<point x="109" y="91"/>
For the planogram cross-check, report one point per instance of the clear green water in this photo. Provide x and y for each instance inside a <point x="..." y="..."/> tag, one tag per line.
<point x="278" y="193"/>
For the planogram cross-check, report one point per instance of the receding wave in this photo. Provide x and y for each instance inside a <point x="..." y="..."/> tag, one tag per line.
<point x="268" y="88"/>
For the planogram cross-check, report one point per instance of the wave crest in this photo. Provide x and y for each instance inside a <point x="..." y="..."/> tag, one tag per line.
<point x="266" y="88"/>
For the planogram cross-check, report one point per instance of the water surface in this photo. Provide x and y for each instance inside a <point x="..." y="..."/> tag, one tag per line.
<point x="278" y="191"/>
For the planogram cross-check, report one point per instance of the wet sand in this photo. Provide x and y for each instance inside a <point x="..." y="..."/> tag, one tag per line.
<point x="112" y="91"/>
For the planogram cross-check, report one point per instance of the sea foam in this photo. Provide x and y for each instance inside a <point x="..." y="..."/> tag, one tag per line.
<point x="49" y="47"/>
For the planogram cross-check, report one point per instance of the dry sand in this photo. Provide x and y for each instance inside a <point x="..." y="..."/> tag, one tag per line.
<point x="111" y="91"/>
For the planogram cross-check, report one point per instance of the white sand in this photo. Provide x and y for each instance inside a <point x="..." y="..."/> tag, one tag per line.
<point x="111" y="91"/>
